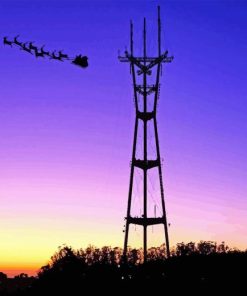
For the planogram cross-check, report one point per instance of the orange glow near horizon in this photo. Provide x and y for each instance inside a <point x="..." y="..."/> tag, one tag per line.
<point x="12" y="271"/>
<point x="30" y="259"/>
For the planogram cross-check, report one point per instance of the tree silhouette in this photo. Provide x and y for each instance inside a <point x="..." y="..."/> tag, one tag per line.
<point x="204" y="266"/>
<point x="3" y="277"/>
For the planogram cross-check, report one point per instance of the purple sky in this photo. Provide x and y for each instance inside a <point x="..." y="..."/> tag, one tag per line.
<point x="66" y="133"/>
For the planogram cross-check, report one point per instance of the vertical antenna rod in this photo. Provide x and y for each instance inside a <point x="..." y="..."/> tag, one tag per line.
<point x="159" y="32"/>
<point x="131" y="38"/>
<point x="144" y="40"/>
<point x="144" y="145"/>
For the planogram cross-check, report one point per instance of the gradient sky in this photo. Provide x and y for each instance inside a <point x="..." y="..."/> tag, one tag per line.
<point x="66" y="133"/>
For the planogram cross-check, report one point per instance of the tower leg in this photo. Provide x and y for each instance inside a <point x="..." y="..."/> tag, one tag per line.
<point x="130" y="191"/>
<point x="162" y="189"/>
<point x="145" y="243"/>
<point x="126" y="241"/>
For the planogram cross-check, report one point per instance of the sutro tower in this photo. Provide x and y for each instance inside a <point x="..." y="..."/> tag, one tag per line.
<point x="145" y="69"/>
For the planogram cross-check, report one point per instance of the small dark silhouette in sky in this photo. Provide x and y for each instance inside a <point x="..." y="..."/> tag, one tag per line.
<point x="47" y="53"/>
<point x="16" y="41"/>
<point x="33" y="47"/>
<point x="54" y="57"/>
<point x="24" y="47"/>
<point x="39" y="53"/>
<point x="79" y="60"/>
<point x="6" y="41"/>
<point x="62" y="55"/>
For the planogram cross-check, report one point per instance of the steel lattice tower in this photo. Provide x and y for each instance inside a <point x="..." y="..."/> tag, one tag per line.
<point x="146" y="68"/>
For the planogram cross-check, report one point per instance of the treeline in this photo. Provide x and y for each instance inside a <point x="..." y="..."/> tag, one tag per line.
<point x="109" y="255"/>
<point x="204" y="266"/>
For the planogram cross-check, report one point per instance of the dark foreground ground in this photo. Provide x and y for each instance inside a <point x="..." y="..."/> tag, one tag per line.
<point x="186" y="273"/>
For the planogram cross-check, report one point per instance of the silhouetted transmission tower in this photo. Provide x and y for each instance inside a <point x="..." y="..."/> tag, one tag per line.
<point x="145" y="69"/>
